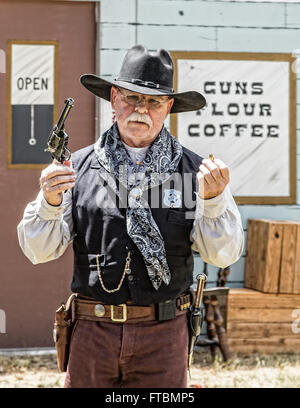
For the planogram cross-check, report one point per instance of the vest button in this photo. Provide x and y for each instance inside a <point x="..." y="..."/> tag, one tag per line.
<point x="130" y="278"/>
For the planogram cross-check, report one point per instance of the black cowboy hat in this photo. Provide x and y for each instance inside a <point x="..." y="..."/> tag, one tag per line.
<point x="148" y="73"/>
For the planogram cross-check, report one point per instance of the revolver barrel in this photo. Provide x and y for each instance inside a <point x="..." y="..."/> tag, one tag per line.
<point x="61" y="121"/>
<point x="58" y="139"/>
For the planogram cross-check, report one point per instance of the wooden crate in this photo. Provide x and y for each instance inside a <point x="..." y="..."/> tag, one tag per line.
<point x="262" y="322"/>
<point x="273" y="256"/>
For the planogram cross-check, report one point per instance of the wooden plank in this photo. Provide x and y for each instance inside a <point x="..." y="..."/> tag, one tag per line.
<point x="253" y="265"/>
<point x="249" y="262"/>
<point x="256" y="264"/>
<point x="243" y="291"/>
<point x="288" y="346"/>
<point x="273" y="258"/>
<point x="252" y="299"/>
<point x="261" y="239"/>
<point x="286" y="281"/>
<point x="263" y="261"/>
<point x="282" y="221"/>
<point x="273" y="302"/>
<point x="296" y="284"/>
<point x="259" y="257"/>
<point x="258" y="330"/>
<point x="260" y="315"/>
<point x="278" y="341"/>
<point x="253" y="349"/>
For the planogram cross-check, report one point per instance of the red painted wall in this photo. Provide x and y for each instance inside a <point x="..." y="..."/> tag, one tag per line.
<point x="30" y="294"/>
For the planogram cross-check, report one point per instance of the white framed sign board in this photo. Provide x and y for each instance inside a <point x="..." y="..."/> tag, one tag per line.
<point x="249" y="121"/>
<point x="32" y="97"/>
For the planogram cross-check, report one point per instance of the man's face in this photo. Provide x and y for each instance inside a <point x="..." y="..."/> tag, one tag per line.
<point x="139" y="117"/>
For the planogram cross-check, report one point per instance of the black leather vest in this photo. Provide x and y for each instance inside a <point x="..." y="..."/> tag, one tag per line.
<point x="100" y="229"/>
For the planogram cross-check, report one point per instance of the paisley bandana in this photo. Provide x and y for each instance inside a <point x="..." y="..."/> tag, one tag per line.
<point x="161" y="160"/>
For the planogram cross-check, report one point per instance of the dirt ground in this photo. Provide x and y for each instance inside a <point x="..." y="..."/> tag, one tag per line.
<point x="253" y="371"/>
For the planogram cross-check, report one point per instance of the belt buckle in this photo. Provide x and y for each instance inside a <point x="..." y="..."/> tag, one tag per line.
<point x="124" y="313"/>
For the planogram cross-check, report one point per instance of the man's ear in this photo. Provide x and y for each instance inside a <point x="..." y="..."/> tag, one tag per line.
<point x="171" y="101"/>
<point x="113" y="94"/>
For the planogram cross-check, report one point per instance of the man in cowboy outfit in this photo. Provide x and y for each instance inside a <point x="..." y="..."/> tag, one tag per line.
<point x="133" y="261"/>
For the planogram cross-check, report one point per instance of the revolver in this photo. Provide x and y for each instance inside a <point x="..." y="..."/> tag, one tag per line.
<point x="58" y="139"/>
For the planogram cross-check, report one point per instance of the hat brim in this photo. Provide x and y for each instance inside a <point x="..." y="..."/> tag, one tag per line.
<point x="183" y="102"/>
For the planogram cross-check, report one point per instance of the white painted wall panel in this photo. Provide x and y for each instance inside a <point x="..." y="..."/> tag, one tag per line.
<point x="111" y="61"/>
<point x="210" y="13"/>
<point x="177" y="37"/>
<point x="298" y="138"/>
<point x="212" y="271"/>
<point x="257" y="39"/>
<point x="118" y="11"/>
<point x="271" y="212"/>
<point x="298" y="167"/>
<point x="293" y="15"/>
<point x="117" y="36"/>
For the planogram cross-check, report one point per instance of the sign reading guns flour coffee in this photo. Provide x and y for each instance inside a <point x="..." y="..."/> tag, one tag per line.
<point x="32" y="96"/>
<point x="249" y="121"/>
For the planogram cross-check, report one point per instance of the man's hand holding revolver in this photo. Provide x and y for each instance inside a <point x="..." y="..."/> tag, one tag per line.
<point x="54" y="180"/>
<point x="59" y="176"/>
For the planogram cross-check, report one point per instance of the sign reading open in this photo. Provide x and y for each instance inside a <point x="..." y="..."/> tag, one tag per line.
<point x="32" y="100"/>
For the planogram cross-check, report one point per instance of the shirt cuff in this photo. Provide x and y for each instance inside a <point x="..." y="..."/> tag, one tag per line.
<point x="47" y="211"/>
<point x="212" y="207"/>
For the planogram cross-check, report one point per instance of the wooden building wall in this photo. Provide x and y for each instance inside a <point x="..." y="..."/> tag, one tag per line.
<point x="30" y="294"/>
<point x="237" y="26"/>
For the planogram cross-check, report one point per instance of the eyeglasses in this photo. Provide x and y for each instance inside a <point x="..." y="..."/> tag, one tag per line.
<point x="134" y="99"/>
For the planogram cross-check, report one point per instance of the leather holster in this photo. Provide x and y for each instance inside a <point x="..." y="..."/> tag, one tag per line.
<point x="64" y="326"/>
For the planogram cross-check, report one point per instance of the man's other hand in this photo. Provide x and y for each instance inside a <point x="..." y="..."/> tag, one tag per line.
<point x="213" y="177"/>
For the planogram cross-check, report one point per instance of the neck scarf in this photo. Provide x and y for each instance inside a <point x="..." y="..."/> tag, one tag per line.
<point x="162" y="159"/>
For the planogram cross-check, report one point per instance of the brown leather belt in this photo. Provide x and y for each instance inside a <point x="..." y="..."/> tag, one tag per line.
<point x="95" y="310"/>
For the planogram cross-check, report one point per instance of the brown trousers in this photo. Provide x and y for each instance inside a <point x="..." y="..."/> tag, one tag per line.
<point x="115" y="355"/>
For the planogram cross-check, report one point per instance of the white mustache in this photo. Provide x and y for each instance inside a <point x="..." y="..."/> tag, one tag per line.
<point x="139" y="117"/>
